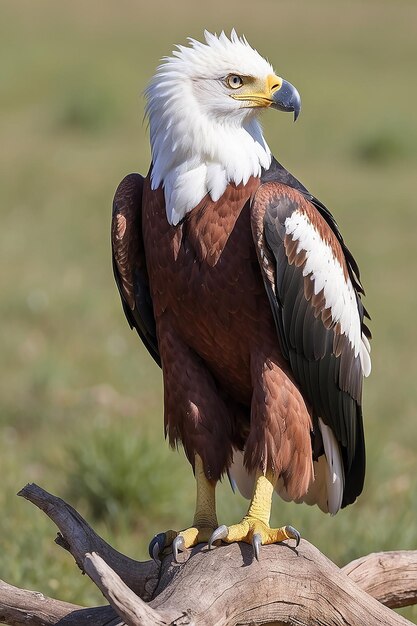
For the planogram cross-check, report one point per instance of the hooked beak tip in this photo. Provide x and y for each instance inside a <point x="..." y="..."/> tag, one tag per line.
<point x="287" y="98"/>
<point x="296" y="113"/>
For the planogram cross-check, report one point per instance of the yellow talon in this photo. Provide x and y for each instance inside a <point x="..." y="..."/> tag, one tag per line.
<point x="254" y="528"/>
<point x="192" y="536"/>
<point x="251" y="526"/>
<point x="204" y="523"/>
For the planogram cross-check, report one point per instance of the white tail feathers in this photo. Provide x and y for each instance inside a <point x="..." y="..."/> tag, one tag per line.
<point x="244" y="481"/>
<point x="335" y="477"/>
<point x="365" y="356"/>
<point x="326" y="490"/>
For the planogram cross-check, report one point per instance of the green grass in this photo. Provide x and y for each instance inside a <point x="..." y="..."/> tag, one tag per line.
<point x="81" y="404"/>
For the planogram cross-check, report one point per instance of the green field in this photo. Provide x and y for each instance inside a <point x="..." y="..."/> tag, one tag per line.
<point x="81" y="406"/>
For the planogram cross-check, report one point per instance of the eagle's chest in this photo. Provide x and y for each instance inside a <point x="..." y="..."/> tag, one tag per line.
<point x="205" y="276"/>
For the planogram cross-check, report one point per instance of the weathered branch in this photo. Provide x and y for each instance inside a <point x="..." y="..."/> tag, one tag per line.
<point x="222" y="587"/>
<point x="21" y="607"/>
<point x="80" y="539"/>
<point x="391" y="577"/>
<point x="290" y="586"/>
<point x="128" y="605"/>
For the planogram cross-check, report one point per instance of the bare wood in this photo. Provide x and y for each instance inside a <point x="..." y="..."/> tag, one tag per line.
<point x="226" y="587"/>
<point x="391" y="577"/>
<point x="17" y="603"/>
<point x="128" y="605"/>
<point x="289" y="586"/>
<point x="80" y="539"/>
<point x="21" y="607"/>
<point x="222" y="587"/>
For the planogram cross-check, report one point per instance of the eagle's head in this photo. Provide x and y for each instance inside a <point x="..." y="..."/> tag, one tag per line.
<point x="203" y="106"/>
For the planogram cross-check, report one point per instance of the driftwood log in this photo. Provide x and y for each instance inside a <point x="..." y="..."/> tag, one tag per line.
<point x="222" y="587"/>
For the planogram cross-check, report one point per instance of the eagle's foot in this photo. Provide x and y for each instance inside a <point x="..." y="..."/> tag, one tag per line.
<point x="179" y="541"/>
<point x="254" y="531"/>
<point x="204" y="522"/>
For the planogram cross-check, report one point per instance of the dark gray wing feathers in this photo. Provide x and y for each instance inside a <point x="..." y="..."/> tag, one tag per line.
<point x="129" y="262"/>
<point x="321" y="358"/>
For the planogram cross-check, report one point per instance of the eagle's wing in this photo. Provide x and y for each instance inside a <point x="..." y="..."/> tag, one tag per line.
<point x="313" y="287"/>
<point x="129" y="263"/>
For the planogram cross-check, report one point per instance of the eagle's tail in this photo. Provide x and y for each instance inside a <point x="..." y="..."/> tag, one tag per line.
<point x="326" y="490"/>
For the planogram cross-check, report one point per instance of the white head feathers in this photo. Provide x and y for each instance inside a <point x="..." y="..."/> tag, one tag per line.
<point x="201" y="138"/>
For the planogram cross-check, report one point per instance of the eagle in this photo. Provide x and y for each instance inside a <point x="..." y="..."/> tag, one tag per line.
<point x="240" y="285"/>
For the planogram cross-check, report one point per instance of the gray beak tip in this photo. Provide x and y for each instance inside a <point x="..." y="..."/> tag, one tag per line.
<point x="287" y="98"/>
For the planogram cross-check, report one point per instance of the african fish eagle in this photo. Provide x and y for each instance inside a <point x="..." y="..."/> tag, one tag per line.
<point x="241" y="287"/>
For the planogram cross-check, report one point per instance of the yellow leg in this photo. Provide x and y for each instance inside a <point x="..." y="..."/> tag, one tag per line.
<point x="204" y="522"/>
<point x="254" y="527"/>
<point x="205" y="506"/>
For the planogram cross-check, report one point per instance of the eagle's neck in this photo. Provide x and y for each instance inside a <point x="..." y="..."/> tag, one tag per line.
<point x="194" y="155"/>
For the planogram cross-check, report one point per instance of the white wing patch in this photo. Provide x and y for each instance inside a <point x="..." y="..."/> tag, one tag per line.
<point x="327" y="274"/>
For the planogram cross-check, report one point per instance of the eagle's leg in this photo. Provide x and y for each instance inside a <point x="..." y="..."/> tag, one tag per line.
<point x="254" y="527"/>
<point x="204" y="522"/>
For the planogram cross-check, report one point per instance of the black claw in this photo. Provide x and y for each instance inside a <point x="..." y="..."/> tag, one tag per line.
<point x="293" y="534"/>
<point x="178" y="545"/>
<point x="220" y="533"/>
<point x="256" y="543"/>
<point x="156" y="546"/>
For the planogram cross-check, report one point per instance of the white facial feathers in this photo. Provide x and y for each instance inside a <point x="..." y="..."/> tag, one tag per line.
<point x="201" y="138"/>
<point x="221" y="56"/>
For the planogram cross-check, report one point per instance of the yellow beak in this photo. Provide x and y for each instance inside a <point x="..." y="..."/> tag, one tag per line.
<point x="261" y="98"/>
<point x="275" y="92"/>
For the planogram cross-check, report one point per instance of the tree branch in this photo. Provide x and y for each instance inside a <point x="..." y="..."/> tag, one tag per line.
<point x="290" y="586"/>
<point x="80" y="539"/>
<point x="222" y="587"/>
<point x="129" y="606"/>
<point x="391" y="577"/>
<point x="21" y="607"/>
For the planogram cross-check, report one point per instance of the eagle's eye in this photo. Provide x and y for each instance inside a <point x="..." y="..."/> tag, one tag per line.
<point x="234" y="81"/>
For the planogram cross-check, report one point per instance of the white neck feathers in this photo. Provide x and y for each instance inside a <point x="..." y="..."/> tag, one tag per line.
<point x="194" y="156"/>
<point x="200" y="141"/>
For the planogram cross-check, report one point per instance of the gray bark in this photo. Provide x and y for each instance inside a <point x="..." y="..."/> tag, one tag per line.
<point x="222" y="587"/>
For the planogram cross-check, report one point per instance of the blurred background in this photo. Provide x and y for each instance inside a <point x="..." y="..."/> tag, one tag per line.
<point x="80" y="399"/>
